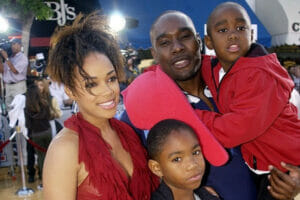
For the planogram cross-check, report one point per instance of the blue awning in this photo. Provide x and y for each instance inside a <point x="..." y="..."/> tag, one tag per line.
<point x="146" y="12"/>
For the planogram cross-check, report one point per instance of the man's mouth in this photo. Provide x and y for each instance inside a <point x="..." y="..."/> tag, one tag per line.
<point x="181" y="63"/>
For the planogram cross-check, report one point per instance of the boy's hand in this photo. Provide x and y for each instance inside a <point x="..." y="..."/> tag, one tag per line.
<point x="211" y="191"/>
<point x="284" y="186"/>
<point x="3" y="53"/>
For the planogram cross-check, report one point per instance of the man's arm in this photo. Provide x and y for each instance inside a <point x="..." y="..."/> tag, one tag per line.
<point x="1" y="66"/>
<point x="284" y="186"/>
<point x="8" y="62"/>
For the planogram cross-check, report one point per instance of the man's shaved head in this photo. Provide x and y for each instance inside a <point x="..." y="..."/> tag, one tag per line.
<point x="167" y="14"/>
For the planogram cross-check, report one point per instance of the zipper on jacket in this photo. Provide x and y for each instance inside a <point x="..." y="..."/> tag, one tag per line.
<point x="214" y="63"/>
<point x="254" y="163"/>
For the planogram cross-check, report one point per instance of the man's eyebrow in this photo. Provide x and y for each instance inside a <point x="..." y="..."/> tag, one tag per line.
<point x="179" y="30"/>
<point x="161" y="36"/>
<point x="185" y="29"/>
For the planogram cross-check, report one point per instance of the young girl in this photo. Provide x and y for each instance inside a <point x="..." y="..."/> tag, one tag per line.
<point x="94" y="156"/>
<point x="37" y="116"/>
<point x="44" y="88"/>
<point x="176" y="157"/>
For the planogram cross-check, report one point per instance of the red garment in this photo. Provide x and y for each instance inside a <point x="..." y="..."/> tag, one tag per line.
<point x="107" y="179"/>
<point x="150" y="68"/>
<point x="157" y="105"/>
<point x="254" y="99"/>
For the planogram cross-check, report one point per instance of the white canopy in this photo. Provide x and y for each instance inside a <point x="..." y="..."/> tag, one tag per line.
<point x="281" y="18"/>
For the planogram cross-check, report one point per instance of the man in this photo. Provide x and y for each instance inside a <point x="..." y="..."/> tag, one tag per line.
<point x="176" y="47"/>
<point x="64" y="102"/>
<point x="14" y="71"/>
<point x="295" y="74"/>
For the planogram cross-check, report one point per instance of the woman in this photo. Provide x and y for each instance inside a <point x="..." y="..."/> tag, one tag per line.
<point x="44" y="88"/>
<point x="37" y="116"/>
<point x="94" y="156"/>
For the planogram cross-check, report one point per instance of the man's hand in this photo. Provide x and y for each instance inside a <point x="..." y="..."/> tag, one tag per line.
<point x="284" y="186"/>
<point x="3" y="53"/>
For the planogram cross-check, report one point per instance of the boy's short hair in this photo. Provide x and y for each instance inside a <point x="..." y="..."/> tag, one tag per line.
<point x="208" y="22"/>
<point x="160" y="131"/>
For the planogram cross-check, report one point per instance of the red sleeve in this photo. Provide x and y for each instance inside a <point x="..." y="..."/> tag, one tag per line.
<point x="256" y="102"/>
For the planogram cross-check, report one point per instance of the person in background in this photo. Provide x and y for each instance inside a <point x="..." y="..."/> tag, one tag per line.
<point x="176" y="157"/>
<point x="43" y="85"/>
<point x="131" y="67"/>
<point x="94" y="156"/>
<point x="294" y="72"/>
<point x="14" y="71"/>
<point x="55" y="113"/>
<point x="64" y="102"/>
<point x="37" y="116"/>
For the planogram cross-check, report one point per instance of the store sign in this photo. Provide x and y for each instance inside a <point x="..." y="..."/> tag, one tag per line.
<point x="296" y="26"/>
<point x="62" y="12"/>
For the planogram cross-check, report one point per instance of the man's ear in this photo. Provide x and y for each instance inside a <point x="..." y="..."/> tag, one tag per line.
<point x="154" y="166"/>
<point x="208" y="42"/>
<point x="153" y="53"/>
<point x="198" y="38"/>
<point x="70" y="93"/>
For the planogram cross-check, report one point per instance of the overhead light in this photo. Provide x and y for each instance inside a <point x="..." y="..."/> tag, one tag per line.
<point x="3" y="25"/>
<point x="117" y="22"/>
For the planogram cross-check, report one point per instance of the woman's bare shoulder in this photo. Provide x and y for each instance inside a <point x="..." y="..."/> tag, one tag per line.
<point x="60" y="172"/>
<point x="64" y="144"/>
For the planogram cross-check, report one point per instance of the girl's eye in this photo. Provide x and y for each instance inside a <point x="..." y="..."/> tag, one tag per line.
<point x="90" y="85"/>
<point x="197" y="152"/>
<point x="113" y="79"/>
<point x="177" y="159"/>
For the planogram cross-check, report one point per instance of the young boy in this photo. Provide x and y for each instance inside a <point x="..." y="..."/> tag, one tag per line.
<point x="252" y="92"/>
<point x="176" y="157"/>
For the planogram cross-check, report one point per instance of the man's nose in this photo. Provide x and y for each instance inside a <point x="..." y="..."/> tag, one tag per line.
<point x="177" y="46"/>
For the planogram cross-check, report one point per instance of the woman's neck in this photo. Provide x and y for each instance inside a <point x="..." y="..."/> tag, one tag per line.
<point x="101" y="123"/>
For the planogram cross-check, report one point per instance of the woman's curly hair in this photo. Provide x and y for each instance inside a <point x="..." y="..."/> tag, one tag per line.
<point x="70" y="45"/>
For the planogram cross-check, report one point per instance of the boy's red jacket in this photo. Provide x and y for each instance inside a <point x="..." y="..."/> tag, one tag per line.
<point x="253" y="98"/>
